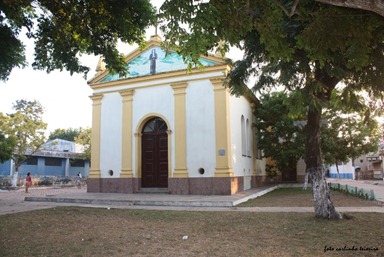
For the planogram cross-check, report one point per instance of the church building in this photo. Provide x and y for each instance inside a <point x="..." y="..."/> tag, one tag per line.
<point x="164" y="128"/>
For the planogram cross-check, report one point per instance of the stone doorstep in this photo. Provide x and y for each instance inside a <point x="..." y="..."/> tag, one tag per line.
<point x="153" y="190"/>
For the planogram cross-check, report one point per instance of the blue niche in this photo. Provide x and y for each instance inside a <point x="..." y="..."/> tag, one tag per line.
<point x="153" y="61"/>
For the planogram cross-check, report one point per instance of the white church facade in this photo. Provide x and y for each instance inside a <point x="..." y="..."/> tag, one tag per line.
<point x="161" y="127"/>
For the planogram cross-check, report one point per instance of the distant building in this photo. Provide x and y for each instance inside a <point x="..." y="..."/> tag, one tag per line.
<point x="368" y="166"/>
<point x="56" y="158"/>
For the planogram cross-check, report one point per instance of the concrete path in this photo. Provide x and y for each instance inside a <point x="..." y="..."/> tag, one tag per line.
<point x="39" y="198"/>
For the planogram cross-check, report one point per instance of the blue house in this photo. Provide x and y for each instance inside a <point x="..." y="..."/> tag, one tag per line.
<point x="56" y="158"/>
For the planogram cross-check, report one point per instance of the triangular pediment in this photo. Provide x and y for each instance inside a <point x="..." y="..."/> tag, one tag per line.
<point x="155" y="60"/>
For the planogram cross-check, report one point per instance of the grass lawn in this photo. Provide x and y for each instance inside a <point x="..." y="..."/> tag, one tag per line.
<point x="75" y="231"/>
<point x="297" y="197"/>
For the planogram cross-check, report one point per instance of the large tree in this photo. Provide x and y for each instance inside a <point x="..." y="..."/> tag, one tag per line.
<point x="27" y="127"/>
<point x="347" y="132"/>
<point x="312" y="50"/>
<point x="352" y="130"/>
<point x="63" y="30"/>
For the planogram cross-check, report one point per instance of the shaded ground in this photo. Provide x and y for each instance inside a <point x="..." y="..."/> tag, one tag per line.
<point x="76" y="231"/>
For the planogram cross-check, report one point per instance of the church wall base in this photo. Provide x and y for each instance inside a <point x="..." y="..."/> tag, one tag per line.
<point x="181" y="186"/>
<point x="206" y="186"/>
<point x="260" y="181"/>
<point x="112" y="185"/>
<point x="178" y="186"/>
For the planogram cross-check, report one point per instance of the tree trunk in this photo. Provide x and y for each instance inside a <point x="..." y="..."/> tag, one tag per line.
<point x="337" y="169"/>
<point x="306" y="181"/>
<point x="321" y="194"/>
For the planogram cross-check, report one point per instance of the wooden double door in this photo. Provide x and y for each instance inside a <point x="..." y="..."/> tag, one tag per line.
<point x="154" y="154"/>
<point x="289" y="173"/>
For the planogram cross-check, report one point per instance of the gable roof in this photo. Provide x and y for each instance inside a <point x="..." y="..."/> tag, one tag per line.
<point x="150" y="61"/>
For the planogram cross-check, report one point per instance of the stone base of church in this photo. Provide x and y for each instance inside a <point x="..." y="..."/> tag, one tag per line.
<point x="258" y="181"/>
<point x="181" y="186"/>
<point x="112" y="185"/>
<point x="206" y="186"/>
<point x="263" y="180"/>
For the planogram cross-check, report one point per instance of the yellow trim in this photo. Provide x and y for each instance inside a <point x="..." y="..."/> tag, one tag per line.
<point x="126" y="151"/>
<point x="222" y="129"/>
<point x="181" y="170"/>
<point x="94" y="171"/>
<point x="138" y="134"/>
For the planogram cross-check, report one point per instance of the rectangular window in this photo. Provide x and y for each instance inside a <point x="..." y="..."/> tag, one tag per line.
<point x="32" y="160"/>
<point x="52" y="162"/>
<point x="77" y="163"/>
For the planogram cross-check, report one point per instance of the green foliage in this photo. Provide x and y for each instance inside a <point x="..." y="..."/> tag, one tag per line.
<point x="308" y="53"/>
<point x="66" y="134"/>
<point x="63" y="30"/>
<point x="80" y="136"/>
<point x="346" y="132"/>
<point x="7" y="146"/>
<point x="271" y="171"/>
<point x="84" y="138"/>
<point x="26" y="126"/>
<point x="348" y="137"/>
<point x="279" y="133"/>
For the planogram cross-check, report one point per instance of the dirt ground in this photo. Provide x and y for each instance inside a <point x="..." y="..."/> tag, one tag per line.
<point x="77" y="231"/>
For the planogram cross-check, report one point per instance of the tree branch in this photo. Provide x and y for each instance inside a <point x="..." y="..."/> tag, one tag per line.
<point x="376" y="6"/>
<point x="291" y="12"/>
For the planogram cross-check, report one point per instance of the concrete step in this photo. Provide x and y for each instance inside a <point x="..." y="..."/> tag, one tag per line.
<point x="153" y="190"/>
<point x="121" y="202"/>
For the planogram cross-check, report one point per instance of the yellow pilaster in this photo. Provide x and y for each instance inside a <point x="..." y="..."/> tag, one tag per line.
<point x="222" y="129"/>
<point x="138" y="154"/>
<point x="126" y="151"/>
<point x="94" y="171"/>
<point x="253" y="140"/>
<point x="181" y="170"/>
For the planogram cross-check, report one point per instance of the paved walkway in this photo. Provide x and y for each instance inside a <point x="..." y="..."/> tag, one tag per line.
<point x="39" y="198"/>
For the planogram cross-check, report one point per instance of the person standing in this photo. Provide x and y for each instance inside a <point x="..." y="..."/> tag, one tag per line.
<point x="28" y="182"/>
<point x="78" y="180"/>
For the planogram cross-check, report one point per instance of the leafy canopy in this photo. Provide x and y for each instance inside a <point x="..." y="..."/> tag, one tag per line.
<point x="26" y="126"/>
<point x="317" y="48"/>
<point x="84" y="138"/>
<point x="68" y="134"/>
<point x="344" y="136"/>
<point x="63" y="30"/>
<point x="7" y="146"/>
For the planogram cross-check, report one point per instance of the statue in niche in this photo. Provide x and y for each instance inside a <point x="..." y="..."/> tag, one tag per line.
<point x="153" y="58"/>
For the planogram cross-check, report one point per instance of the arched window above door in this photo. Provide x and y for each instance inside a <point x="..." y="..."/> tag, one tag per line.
<point x="155" y="125"/>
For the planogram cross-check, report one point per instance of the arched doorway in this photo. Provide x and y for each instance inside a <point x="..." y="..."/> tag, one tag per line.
<point x="154" y="154"/>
